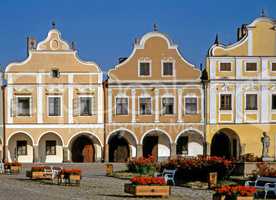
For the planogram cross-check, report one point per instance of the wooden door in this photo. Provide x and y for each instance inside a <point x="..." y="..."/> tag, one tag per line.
<point x="88" y="153"/>
<point x="150" y="146"/>
<point x="121" y="154"/>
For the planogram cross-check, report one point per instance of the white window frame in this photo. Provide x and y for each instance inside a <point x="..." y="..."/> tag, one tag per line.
<point x="174" y="105"/>
<point x="116" y="97"/>
<point x="61" y="105"/>
<point x="79" y="106"/>
<point x="197" y="104"/>
<point x="30" y="105"/>
<point x="231" y="66"/>
<point x="144" y="61"/>
<point x="151" y="110"/>
<point x="162" y="67"/>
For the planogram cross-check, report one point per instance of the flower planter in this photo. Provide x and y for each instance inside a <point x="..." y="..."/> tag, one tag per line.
<point x="74" y="177"/>
<point x="222" y="197"/>
<point x="109" y="169"/>
<point x="15" y="169"/>
<point x="148" y="190"/>
<point x="37" y="175"/>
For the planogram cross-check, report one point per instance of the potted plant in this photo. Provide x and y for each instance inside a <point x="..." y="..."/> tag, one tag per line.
<point x="14" y="167"/>
<point x="147" y="186"/>
<point x="143" y="166"/>
<point x="234" y="193"/>
<point x="37" y="172"/>
<point x="71" y="175"/>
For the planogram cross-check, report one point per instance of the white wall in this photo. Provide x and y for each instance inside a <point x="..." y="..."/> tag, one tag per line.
<point x="163" y="146"/>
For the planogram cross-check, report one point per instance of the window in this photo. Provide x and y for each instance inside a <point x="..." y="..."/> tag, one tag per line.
<point x="225" y="66"/>
<point x="273" y="66"/>
<point x="168" y="105"/>
<point x="55" y="73"/>
<point x="23" y="106"/>
<point x="251" y="66"/>
<point x="251" y="102"/>
<point x="225" y="102"/>
<point x="145" y="106"/>
<point x="273" y="102"/>
<point x="182" y="146"/>
<point x="167" y="69"/>
<point x="122" y="106"/>
<point x="54" y="106"/>
<point x="85" y="106"/>
<point x="21" y="147"/>
<point x="190" y="105"/>
<point x="144" y="69"/>
<point x="50" y="147"/>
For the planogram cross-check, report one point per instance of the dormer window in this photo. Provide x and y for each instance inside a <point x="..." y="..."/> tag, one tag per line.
<point x="55" y="73"/>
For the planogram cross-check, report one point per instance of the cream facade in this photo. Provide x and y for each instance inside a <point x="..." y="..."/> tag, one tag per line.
<point x="153" y="103"/>
<point x="54" y="105"/>
<point x="241" y="93"/>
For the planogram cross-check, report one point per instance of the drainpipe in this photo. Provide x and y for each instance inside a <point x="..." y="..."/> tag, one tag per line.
<point x="4" y="119"/>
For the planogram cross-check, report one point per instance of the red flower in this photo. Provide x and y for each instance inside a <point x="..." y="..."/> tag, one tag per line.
<point x="147" y="180"/>
<point x="236" y="190"/>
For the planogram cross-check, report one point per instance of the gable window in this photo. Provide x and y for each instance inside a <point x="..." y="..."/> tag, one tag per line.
<point x="145" y="106"/>
<point x="54" y="106"/>
<point x="21" y="147"/>
<point x="86" y="106"/>
<point x="122" y="106"/>
<point x="144" y="69"/>
<point x="167" y="68"/>
<point x="251" y="102"/>
<point x="168" y="105"/>
<point x="51" y="147"/>
<point x="225" y="102"/>
<point x="226" y="67"/>
<point x="251" y="67"/>
<point x="23" y="106"/>
<point x="190" y="105"/>
<point x="273" y="66"/>
<point x="273" y="104"/>
<point x="55" y="73"/>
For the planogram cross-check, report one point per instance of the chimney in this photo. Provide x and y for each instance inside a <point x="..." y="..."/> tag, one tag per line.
<point x="31" y="44"/>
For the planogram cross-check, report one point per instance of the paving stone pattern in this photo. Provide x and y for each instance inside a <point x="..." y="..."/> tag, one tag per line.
<point x="94" y="185"/>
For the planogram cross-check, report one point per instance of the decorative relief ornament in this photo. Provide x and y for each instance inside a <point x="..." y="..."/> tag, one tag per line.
<point x="85" y="90"/>
<point x="22" y="90"/>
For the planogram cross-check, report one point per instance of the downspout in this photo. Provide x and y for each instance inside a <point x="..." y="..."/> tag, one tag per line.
<point x="4" y="120"/>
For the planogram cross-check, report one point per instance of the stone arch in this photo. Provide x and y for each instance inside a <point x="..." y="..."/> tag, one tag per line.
<point x="226" y="143"/>
<point x="85" y="146"/>
<point x="124" y="145"/>
<point x="189" y="142"/>
<point x="157" y="143"/>
<point x="20" y="147"/>
<point x="50" y="147"/>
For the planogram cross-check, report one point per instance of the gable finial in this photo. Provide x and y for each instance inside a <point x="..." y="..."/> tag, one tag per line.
<point x="263" y="13"/>
<point x="216" y="40"/>
<point x="155" y="27"/>
<point x="53" y="24"/>
<point x="73" y="46"/>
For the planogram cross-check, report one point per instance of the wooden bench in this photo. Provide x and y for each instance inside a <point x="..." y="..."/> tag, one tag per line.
<point x="266" y="184"/>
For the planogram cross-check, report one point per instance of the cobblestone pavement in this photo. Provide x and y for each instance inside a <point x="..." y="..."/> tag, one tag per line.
<point x="93" y="186"/>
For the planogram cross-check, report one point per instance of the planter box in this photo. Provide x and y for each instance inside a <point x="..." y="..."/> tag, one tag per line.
<point x="148" y="190"/>
<point x="109" y="169"/>
<point x="15" y="169"/>
<point x="37" y="175"/>
<point x="222" y="197"/>
<point x="74" y="177"/>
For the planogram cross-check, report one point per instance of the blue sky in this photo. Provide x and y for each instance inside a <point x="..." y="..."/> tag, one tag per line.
<point x="104" y="30"/>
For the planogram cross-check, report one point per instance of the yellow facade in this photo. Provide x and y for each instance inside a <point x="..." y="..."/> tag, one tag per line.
<point x="235" y="130"/>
